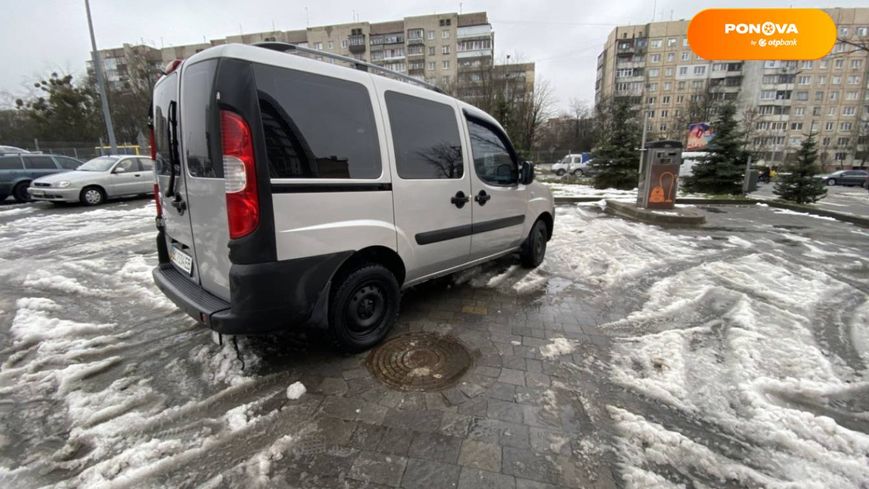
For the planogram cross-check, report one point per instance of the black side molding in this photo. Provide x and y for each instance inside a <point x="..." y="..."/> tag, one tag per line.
<point x="445" y="234"/>
<point x="302" y="188"/>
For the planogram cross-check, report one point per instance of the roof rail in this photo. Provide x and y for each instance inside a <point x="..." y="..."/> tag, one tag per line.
<point x="355" y="63"/>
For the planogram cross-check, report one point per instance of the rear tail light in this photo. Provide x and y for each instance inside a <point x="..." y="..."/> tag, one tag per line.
<point x="242" y="201"/>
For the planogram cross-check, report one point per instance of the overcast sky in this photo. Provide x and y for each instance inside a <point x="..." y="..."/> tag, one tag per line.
<point x="563" y="37"/>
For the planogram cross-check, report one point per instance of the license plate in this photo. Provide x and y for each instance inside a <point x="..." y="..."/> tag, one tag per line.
<point x="182" y="260"/>
<point x="37" y="193"/>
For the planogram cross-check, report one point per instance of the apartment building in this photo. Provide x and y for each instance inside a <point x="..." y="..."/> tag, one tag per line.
<point x="781" y="101"/>
<point x="437" y="48"/>
<point x="130" y="65"/>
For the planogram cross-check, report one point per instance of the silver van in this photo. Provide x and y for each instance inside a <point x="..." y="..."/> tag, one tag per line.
<point x="295" y="191"/>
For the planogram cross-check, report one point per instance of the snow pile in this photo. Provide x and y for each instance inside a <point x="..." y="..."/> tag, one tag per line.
<point x="295" y="390"/>
<point x="558" y="347"/>
<point x="223" y="366"/>
<point x="744" y="360"/>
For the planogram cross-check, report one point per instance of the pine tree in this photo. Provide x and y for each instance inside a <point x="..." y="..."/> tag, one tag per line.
<point x="799" y="182"/>
<point x="723" y="169"/>
<point x="615" y="158"/>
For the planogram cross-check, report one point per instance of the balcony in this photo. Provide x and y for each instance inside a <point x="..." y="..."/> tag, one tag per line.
<point x="474" y="53"/>
<point x="415" y="41"/>
<point x="630" y="64"/>
<point x="357" y="43"/>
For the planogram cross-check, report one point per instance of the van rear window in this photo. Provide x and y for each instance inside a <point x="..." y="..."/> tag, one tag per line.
<point x="316" y="126"/>
<point x="10" y="163"/>
<point x="197" y="99"/>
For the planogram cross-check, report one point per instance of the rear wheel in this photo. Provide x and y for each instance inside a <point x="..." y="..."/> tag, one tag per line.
<point x="578" y="173"/>
<point x="560" y="172"/>
<point x="92" y="196"/>
<point x="363" y="308"/>
<point x="831" y="181"/>
<point x="534" y="248"/>
<point x="20" y="192"/>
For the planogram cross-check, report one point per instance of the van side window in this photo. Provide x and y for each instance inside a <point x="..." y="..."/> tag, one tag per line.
<point x="493" y="162"/>
<point x="316" y="126"/>
<point x="67" y="163"/>
<point x="163" y="95"/>
<point x="425" y="136"/>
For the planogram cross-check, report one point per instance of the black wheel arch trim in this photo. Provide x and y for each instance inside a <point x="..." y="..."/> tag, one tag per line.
<point x="438" y="235"/>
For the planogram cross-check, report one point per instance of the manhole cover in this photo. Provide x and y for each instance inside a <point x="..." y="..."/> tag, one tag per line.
<point x="419" y="362"/>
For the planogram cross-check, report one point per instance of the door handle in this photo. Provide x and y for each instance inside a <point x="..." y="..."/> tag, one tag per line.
<point x="137" y="175"/>
<point x="460" y="199"/>
<point x="482" y="197"/>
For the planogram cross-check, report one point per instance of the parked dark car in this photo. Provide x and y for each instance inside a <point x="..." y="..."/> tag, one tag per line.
<point x="847" y="177"/>
<point x="18" y="170"/>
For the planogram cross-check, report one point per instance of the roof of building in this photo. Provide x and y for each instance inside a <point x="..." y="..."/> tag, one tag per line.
<point x="473" y="18"/>
<point x="387" y="27"/>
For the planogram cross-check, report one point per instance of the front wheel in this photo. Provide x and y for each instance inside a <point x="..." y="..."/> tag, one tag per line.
<point x="578" y="173"/>
<point x="363" y="308"/>
<point x="831" y="181"/>
<point x="534" y="248"/>
<point x="92" y="196"/>
<point x="560" y="172"/>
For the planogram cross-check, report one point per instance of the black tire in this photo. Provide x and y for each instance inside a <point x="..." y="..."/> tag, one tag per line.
<point x="3" y="197"/>
<point x="363" y="307"/>
<point x="534" y="248"/>
<point x="560" y="172"/>
<point x="831" y="182"/>
<point x="20" y="192"/>
<point x="92" y="195"/>
<point x="578" y="173"/>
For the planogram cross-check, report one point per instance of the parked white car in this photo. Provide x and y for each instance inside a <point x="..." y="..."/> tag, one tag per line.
<point x="97" y="180"/>
<point x="313" y="193"/>
<point x="575" y="164"/>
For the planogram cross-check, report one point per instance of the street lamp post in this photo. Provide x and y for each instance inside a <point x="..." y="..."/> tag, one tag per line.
<point x="98" y="71"/>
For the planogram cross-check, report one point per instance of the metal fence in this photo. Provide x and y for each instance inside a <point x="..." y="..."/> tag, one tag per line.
<point x="83" y="150"/>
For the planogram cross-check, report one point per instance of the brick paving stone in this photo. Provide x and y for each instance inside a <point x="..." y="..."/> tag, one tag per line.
<point x="527" y="484"/>
<point x="414" y="419"/>
<point x="455" y="424"/>
<point x="534" y="342"/>
<point x="341" y="407"/>
<point x="527" y="464"/>
<point x="471" y="389"/>
<point x="515" y="435"/>
<point x="425" y="474"/>
<point x="355" y="373"/>
<point x="454" y="396"/>
<point x="434" y="446"/>
<point x="505" y="411"/>
<point x="529" y="395"/>
<point x="537" y="380"/>
<point x="371" y="413"/>
<point x="332" y="386"/>
<point x="474" y="407"/>
<point x="502" y="391"/>
<point x="511" y="376"/>
<point x="514" y="362"/>
<point x="480" y="479"/>
<point x="534" y="366"/>
<point x="488" y="371"/>
<point x="480" y="455"/>
<point x="336" y="431"/>
<point x="395" y="441"/>
<point x="367" y="436"/>
<point x="378" y="468"/>
<point x="549" y="441"/>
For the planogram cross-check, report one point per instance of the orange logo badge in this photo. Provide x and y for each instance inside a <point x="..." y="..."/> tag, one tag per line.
<point x="761" y="34"/>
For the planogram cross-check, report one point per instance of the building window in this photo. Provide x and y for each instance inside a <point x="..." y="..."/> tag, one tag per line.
<point x="863" y="31"/>
<point x="699" y="70"/>
<point x="683" y="70"/>
<point x="856" y="64"/>
<point x="671" y="42"/>
<point x="668" y="86"/>
<point x="668" y="71"/>
<point x="680" y="85"/>
<point x="838" y="64"/>
<point x="686" y="56"/>
<point x="445" y="50"/>
<point x="805" y="80"/>
<point x="445" y="34"/>
<point x="445" y="65"/>
<point x="836" y="80"/>
<point x="807" y="65"/>
<point x="653" y="87"/>
<point x="653" y="72"/>
<point x="854" y="79"/>
<point x="430" y="35"/>
<point x="344" y="43"/>
<point x="656" y="43"/>
<point x="845" y="126"/>
<point x="431" y="50"/>
<point x="849" y="110"/>
<point x="656" y="58"/>
<point x="671" y="57"/>
<point x="799" y="111"/>
<point x="318" y="46"/>
<point x="432" y="65"/>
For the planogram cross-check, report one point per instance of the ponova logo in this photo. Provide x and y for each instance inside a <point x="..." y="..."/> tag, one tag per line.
<point x="761" y="34"/>
<point x="767" y="28"/>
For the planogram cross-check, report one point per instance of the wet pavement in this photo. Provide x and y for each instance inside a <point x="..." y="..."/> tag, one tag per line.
<point x="730" y="355"/>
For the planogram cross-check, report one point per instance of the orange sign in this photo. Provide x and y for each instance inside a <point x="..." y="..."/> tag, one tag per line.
<point x="762" y="34"/>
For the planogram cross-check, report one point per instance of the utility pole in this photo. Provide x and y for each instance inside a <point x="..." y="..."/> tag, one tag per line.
<point x="98" y="71"/>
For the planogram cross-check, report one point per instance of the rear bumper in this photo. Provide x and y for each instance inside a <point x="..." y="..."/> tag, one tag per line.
<point x="265" y="297"/>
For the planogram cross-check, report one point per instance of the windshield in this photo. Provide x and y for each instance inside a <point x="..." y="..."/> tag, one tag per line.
<point x="102" y="163"/>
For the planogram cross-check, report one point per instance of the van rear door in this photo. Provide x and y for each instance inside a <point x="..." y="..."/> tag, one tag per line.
<point x="170" y="177"/>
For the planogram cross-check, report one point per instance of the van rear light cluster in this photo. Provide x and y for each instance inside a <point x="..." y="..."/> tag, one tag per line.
<point x="239" y="172"/>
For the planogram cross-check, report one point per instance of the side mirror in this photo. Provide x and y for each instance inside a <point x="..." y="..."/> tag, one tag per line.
<point x="119" y="170"/>
<point x="526" y="174"/>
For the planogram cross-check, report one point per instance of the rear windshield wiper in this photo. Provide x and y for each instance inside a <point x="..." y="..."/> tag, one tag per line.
<point x="172" y="130"/>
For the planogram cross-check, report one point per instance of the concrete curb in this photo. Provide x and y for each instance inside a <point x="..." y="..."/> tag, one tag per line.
<point x="840" y="216"/>
<point x="678" y="217"/>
